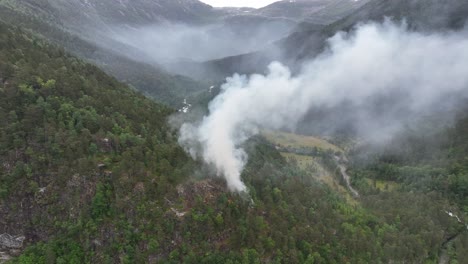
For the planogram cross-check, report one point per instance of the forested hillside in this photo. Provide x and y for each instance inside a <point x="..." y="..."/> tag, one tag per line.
<point x="68" y="133"/>
<point x="149" y="79"/>
<point x="91" y="172"/>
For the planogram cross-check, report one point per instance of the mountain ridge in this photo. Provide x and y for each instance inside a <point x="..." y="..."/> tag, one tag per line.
<point x="151" y="79"/>
<point x="308" y="40"/>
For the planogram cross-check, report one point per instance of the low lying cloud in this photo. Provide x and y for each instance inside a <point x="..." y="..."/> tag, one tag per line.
<point x="172" y="42"/>
<point x="416" y="72"/>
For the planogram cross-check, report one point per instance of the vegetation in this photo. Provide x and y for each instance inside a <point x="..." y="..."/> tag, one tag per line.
<point x="73" y="141"/>
<point x="149" y="79"/>
<point x="295" y="141"/>
<point x="91" y="173"/>
<point x="430" y="167"/>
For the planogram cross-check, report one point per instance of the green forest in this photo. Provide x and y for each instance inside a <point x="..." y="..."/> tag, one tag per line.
<point x="91" y="172"/>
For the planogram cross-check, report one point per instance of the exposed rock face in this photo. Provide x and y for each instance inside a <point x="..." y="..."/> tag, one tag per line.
<point x="10" y="246"/>
<point x="11" y="242"/>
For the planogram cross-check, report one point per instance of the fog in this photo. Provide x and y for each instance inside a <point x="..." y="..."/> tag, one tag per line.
<point x="418" y="73"/>
<point x="165" y="43"/>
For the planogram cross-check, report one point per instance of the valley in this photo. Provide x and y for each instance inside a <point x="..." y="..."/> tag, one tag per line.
<point x="155" y="131"/>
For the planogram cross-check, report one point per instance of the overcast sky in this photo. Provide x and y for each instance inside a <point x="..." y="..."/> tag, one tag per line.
<point x="239" y="3"/>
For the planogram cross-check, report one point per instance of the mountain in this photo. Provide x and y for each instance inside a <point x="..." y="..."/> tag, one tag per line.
<point x="308" y="39"/>
<point x="91" y="172"/>
<point x="320" y="12"/>
<point x="286" y="17"/>
<point x="67" y="24"/>
<point x="100" y="27"/>
<point x="91" y="30"/>
<point x="61" y="118"/>
<point x="123" y="12"/>
<point x="313" y="11"/>
<point x="420" y="15"/>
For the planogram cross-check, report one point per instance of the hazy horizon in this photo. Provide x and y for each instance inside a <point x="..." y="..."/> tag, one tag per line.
<point x="239" y="3"/>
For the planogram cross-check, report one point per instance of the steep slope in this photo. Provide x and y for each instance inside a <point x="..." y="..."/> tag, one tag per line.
<point x="67" y="130"/>
<point x="313" y="11"/>
<point x="421" y="15"/>
<point x="308" y="16"/>
<point x="91" y="30"/>
<point x="124" y="12"/>
<point x="151" y="79"/>
<point x="308" y="40"/>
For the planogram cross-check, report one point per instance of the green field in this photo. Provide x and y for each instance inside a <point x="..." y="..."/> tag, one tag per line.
<point x="298" y="141"/>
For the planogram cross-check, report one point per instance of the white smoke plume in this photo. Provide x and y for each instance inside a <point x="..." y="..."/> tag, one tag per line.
<point x="373" y="60"/>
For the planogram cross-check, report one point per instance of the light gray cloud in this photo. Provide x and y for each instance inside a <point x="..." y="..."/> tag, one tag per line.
<point x="171" y="42"/>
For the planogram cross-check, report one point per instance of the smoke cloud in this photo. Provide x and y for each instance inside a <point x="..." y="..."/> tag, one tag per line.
<point x="421" y="71"/>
